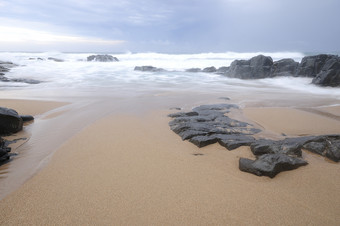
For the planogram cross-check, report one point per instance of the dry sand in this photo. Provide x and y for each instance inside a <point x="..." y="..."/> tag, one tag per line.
<point x="132" y="170"/>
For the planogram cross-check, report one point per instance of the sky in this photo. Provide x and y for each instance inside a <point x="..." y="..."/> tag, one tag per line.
<point x="171" y="26"/>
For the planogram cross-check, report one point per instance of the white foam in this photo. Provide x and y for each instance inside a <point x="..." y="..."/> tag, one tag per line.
<point x="76" y="72"/>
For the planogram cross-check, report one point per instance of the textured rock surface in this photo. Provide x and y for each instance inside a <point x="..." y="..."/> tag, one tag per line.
<point x="102" y="58"/>
<point x="270" y="164"/>
<point x="10" y="121"/>
<point x="257" y="67"/>
<point x="208" y="124"/>
<point x="284" y="67"/>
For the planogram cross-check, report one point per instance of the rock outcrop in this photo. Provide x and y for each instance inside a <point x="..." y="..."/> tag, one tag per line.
<point x="284" y="67"/>
<point x="102" y="58"/>
<point x="10" y="122"/>
<point x="5" y="67"/>
<point x="329" y="74"/>
<point x="148" y="69"/>
<point x="208" y="124"/>
<point x="255" y="68"/>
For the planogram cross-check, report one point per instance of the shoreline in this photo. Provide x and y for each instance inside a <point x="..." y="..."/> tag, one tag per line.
<point x="127" y="167"/>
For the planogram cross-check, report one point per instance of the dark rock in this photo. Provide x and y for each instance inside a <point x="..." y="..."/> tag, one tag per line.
<point x="26" y="118"/>
<point x="102" y="58"/>
<point x="257" y="67"/>
<point x="10" y="121"/>
<point x="288" y="146"/>
<point x="25" y="80"/>
<point x="270" y="164"/>
<point x="310" y="66"/>
<point x="232" y="142"/>
<point x="148" y="68"/>
<point x="55" y="59"/>
<point x="209" y="124"/>
<point x="193" y="70"/>
<point x="4" y="152"/>
<point x="209" y="70"/>
<point x="222" y="70"/>
<point x="3" y="69"/>
<point x="329" y="74"/>
<point x="284" y="67"/>
<point x="328" y="146"/>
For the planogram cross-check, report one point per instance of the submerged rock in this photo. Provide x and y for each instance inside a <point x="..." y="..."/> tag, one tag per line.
<point x="193" y="70"/>
<point x="4" y="152"/>
<point x="55" y="59"/>
<point x="148" y="68"/>
<point x="102" y="58"/>
<point x="209" y="70"/>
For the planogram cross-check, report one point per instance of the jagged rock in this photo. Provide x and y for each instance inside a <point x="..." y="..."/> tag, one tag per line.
<point x="329" y="74"/>
<point x="284" y="67"/>
<point x="257" y="67"/>
<point x="310" y="66"/>
<point x="193" y="70"/>
<point x="102" y="58"/>
<point x="55" y="59"/>
<point x="148" y="68"/>
<point x="209" y="70"/>
<point x="328" y="146"/>
<point x="10" y="121"/>
<point x="208" y="124"/>
<point x="270" y="164"/>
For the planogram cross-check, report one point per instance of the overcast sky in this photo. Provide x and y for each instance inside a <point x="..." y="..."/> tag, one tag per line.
<point x="189" y="26"/>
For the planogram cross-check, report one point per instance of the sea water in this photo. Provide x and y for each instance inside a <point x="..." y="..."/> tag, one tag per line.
<point x="75" y="73"/>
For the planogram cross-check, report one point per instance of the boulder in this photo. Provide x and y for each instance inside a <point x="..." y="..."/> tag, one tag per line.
<point x="55" y="59"/>
<point x="209" y="70"/>
<point x="329" y="74"/>
<point x="255" y="68"/>
<point x="102" y="58"/>
<point x="148" y="68"/>
<point x="328" y="146"/>
<point x="284" y="67"/>
<point x="10" y="121"/>
<point x="310" y="66"/>
<point x="270" y="164"/>
<point x="222" y="70"/>
<point x="193" y="70"/>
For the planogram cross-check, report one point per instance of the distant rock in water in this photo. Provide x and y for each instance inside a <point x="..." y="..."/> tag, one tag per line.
<point x="284" y="67"/>
<point x="209" y="70"/>
<point x="102" y="58"/>
<point x="55" y="59"/>
<point x="193" y="70"/>
<point x="5" y="67"/>
<point x="255" y="68"/>
<point x="329" y="75"/>
<point x="148" y="68"/>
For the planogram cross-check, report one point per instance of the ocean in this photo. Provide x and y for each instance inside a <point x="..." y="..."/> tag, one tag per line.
<point x="119" y="78"/>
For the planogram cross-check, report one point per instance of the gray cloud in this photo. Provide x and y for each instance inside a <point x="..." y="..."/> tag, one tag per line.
<point x="188" y="26"/>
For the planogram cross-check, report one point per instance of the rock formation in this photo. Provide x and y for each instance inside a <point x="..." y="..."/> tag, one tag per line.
<point x="208" y="124"/>
<point x="102" y="58"/>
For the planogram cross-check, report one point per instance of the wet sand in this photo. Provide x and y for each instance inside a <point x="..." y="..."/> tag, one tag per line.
<point x="129" y="169"/>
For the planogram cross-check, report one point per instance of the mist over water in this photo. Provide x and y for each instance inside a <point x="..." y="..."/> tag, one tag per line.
<point x="110" y="78"/>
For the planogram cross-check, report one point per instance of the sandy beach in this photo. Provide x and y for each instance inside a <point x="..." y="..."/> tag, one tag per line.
<point x="131" y="169"/>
